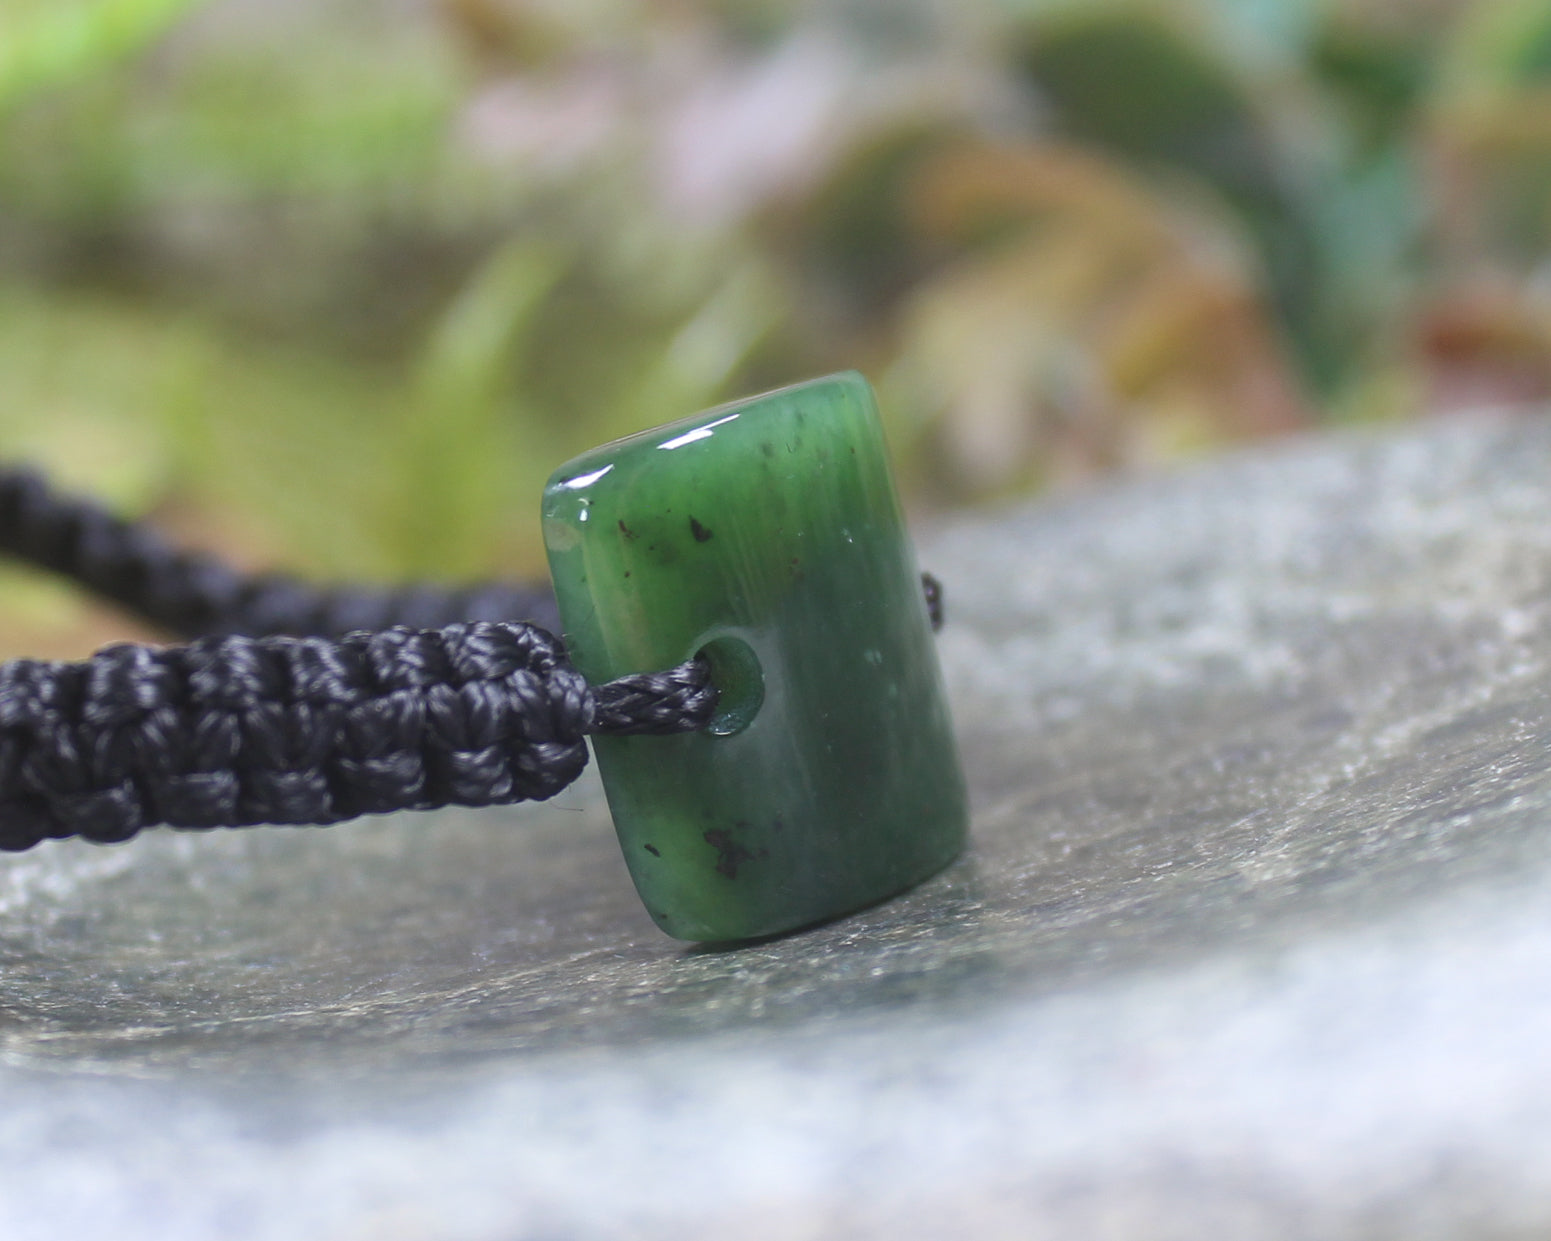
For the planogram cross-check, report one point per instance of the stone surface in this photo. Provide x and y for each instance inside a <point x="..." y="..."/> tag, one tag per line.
<point x="1251" y="941"/>
<point x="767" y="535"/>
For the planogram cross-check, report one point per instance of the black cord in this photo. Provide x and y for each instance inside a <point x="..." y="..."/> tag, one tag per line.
<point x="193" y="595"/>
<point x="293" y="704"/>
<point x="233" y="731"/>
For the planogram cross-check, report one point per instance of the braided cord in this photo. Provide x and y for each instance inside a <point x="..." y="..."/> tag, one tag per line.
<point x="193" y="595"/>
<point x="294" y="704"/>
<point x="234" y="731"/>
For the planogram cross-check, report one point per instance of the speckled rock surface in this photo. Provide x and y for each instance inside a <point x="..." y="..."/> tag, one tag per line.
<point x="1253" y="940"/>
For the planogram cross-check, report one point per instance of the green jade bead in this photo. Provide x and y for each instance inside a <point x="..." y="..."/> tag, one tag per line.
<point x="766" y="533"/>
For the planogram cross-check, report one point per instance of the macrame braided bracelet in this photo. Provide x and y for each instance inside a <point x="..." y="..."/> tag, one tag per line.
<point x="299" y="705"/>
<point x="234" y="731"/>
<point x="433" y="696"/>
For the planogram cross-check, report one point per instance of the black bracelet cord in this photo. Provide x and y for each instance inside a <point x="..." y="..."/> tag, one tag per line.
<point x="293" y="704"/>
<point x="193" y="595"/>
<point x="300" y="705"/>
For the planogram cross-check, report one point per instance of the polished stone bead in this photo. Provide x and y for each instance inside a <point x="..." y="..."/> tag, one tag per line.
<point x="767" y="534"/>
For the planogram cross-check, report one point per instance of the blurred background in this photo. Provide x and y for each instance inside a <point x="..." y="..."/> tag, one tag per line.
<point x="333" y="284"/>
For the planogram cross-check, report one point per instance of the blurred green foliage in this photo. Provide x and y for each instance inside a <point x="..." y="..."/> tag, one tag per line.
<point x="335" y="283"/>
<point x="44" y="44"/>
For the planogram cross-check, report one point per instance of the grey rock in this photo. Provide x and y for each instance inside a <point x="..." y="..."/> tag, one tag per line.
<point x="1253" y="940"/>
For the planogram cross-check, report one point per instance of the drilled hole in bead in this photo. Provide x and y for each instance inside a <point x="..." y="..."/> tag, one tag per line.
<point x="739" y="681"/>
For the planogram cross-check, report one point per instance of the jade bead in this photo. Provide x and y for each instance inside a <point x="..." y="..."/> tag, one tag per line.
<point x="768" y="535"/>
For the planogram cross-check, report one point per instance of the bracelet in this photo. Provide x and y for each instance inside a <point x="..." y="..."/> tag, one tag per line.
<point x="793" y="762"/>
